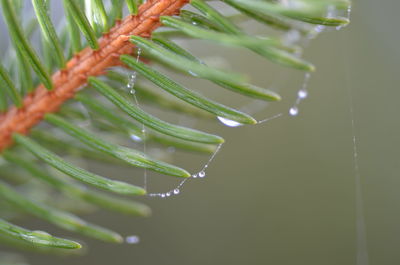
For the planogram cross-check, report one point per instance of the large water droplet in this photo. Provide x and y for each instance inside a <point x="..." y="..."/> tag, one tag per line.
<point x="176" y="191"/>
<point x="229" y="123"/>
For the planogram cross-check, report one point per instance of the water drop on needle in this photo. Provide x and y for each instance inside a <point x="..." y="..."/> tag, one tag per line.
<point x="176" y="191"/>
<point x="193" y="73"/>
<point x="202" y="174"/>
<point x="42" y="233"/>
<point x="229" y="123"/>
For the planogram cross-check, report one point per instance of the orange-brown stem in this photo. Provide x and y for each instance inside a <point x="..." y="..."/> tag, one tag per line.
<point x="84" y="64"/>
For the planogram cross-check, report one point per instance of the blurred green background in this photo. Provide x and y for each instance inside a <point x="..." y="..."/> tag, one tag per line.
<point x="284" y="192"/>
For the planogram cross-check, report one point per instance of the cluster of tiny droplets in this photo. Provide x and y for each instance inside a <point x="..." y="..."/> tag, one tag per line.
<point x="301" y="95"/>
<point x="132" y="77"/>
<point x="201" y="174"/>
<point x="131" y="83"/>
<point x="177" y="190"/>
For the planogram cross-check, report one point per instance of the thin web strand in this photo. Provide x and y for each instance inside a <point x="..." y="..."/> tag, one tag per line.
<point x="362" y="256"/>
<point x="200" y="174"/>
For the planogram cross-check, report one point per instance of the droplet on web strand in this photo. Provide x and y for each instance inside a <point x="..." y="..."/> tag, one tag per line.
<point x="135" y="138"/>
<point x="132" y="239"/>
<point x="294" y="111"/>
<point x="302" y="94"/>
<point x="202" y="174"/>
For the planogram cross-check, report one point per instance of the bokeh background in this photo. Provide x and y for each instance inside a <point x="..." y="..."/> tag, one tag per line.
<point x="285" y="192"/>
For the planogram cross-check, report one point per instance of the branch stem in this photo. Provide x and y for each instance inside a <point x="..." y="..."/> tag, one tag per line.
<point x="86" y="63"/>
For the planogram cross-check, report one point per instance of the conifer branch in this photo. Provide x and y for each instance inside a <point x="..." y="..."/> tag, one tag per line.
<point x="88" y="62"/>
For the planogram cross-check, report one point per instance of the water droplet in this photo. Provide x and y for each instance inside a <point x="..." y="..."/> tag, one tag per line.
<point x="132" y="77"/>
<point x="294" y="111"/>
<point x="29" y="237"/>
<point x="176" y="191"/>
<point x="162" y="195"/>
<point x="168" y="194"/>
<point x="132" y="239"/>
<point x="202" y="174"/>
<point x="131" y="83"/>
<point x="192" y="73"/>
<point x="136" y="138"/>
<point x="194" y="176"/>
<point x="319" y="29"/>
<point x="42" y="233"/>
<point x="132" y="91"/>
<point x="138" y="53"/>
<point x="302" y="94"/>
<point x="229" y="123"/>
